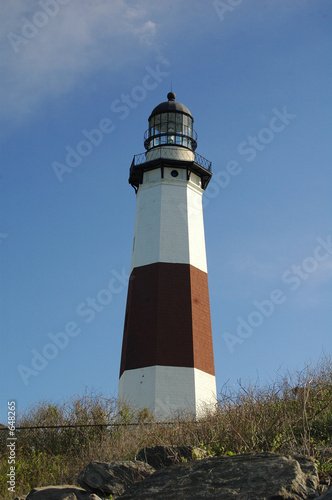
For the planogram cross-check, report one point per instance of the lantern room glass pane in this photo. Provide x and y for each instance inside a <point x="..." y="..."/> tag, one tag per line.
<point x="179" y="118"/>
<point x="179" y="123"/>
<point x="156" y="124"/>
<point x="163" y="122"/>
<point x="171" y="127"/>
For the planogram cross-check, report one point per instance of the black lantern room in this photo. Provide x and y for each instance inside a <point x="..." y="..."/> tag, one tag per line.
<point x="170" y="123"/>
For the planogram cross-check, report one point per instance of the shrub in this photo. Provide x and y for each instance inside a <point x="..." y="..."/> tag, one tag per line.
<point x="293" y="414"/>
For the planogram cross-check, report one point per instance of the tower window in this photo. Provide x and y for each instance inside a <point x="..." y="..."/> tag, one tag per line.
<point x="170" y="128"/>
<point x="174" y="173"/>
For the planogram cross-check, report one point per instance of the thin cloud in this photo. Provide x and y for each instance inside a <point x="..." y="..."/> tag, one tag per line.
<point x="80" y="38"/>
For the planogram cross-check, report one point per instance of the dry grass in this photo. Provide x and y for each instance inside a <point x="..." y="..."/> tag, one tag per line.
<point x="294" y="414"/>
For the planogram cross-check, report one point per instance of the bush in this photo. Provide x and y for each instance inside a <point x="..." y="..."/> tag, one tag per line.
<point x="294" y="414"/>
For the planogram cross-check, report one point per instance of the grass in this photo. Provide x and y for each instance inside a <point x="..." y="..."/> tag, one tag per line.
<point x="291" y="415"/>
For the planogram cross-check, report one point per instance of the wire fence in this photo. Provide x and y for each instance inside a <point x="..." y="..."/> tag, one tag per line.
<point x="110" y="424"/>
<point x="80" y="438"/>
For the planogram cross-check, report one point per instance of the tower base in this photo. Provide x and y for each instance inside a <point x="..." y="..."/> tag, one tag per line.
<point x="166" y="390"/>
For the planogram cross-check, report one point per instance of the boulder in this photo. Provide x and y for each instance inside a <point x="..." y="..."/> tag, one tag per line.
<point x="250" y="476"/>
<point x="113" y="478"/>
<point x="163" y="456"/>
<point x="309" y="468"/>
<point x="326" y="496"/>
<point x="66" y="492"/>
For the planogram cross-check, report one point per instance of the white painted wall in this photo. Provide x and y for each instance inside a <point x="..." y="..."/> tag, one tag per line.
<point x="196" y="235"/>
<point x="169" y="224"/>
<point x="168" y="389"/>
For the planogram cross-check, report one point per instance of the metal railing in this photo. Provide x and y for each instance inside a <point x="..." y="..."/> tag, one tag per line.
<point x="172" y="154"/>
<point x="203" y="162"/>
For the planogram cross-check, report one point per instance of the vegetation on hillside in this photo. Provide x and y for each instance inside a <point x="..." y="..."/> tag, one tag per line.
<point x="294" y="414"/>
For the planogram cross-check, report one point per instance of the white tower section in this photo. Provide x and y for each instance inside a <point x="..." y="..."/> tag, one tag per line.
<point x="169" y="223"/>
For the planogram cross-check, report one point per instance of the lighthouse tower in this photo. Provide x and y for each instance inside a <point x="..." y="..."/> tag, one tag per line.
<point x="167" y="353"/>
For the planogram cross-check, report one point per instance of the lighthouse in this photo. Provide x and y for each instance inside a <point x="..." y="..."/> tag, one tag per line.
<point x="167" y="362"/>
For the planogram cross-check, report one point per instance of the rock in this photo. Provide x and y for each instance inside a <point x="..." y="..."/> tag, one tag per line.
<point x="113" y="478"/>
<point x="67" y="492"/>
<point x="251" y="476"/>
<point x="326" y="496"/>
<point x="161" y="456"/>
<point x="309" y="468"/>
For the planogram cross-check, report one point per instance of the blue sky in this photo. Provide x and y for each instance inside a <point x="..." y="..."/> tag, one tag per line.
<point x="256" y="76"/>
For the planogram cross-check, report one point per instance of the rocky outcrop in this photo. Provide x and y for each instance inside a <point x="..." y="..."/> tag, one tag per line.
<point x="326" y="496"/>
<point x="67" y="492"/>
<point x="164" y="456"/>
<point x="113" y="478"/>
<point x="251" y="476"/>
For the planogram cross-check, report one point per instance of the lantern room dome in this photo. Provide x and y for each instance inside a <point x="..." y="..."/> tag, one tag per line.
<point x="171" y="106"/>
<point x="170" y="124"/>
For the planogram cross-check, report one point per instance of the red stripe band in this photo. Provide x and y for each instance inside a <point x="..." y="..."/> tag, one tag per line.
<point x="167" y="319"/>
